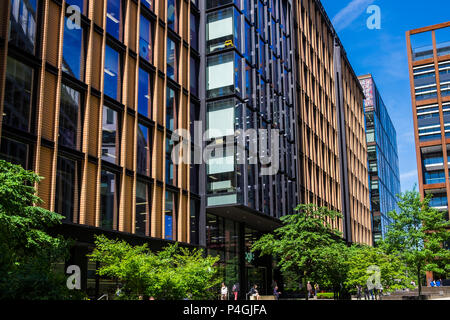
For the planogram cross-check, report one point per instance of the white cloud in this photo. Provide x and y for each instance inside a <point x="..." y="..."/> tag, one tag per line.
<point x="408" y="175"/>
<point x="349" y="14"/>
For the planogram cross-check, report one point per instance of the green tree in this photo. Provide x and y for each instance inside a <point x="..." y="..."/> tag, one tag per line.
<point x="303" y="243"/>
<point x="173" y="273"/>
<point x="28" y="252"/>
<point x="393" y="272"/>
<point x="417" y="235"/>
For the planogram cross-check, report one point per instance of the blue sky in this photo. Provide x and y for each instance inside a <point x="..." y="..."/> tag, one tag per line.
<point x="383" y="54"/>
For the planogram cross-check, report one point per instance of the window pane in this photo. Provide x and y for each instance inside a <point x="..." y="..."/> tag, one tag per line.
<point x="15" y="152"/>
<point x="112" y="75"/>
<point x="142" y="207"/>
<point x="70" y="118"/>
<point x="220" y="118"/>
<point x="171" y="110"/>
<point x="82" y="4"/>
<point x="148" y="3"/>
<point x="443" y="41"/>
<point x="110" y="135"/>
<point x="145" y="94"/>
<point x="22" y="31"/>
<point x="194" y="75"/>
<point x="172" y="58"/>
<point x="73" y="51"/>
<point x="194" y="31"/>
<point x="18" y="95"/>
<point x="67" y="192"/>
<point x="223" y="75"/>
<point x="170" y="215"/>
<point x="219" y="29"/>
<point x="172" y="14"/>
<point x="109" y="200"/>
<point x="170" y="167"/>
<point x="143" y="150"/>
<point x="114" y="18"/>
<point x="145" y="39"/>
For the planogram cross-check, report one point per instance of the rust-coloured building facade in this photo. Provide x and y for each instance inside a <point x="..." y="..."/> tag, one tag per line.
<point x="429" y="72"/>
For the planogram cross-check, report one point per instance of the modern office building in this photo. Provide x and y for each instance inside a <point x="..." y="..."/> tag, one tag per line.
<point x="429" y="66"/>
<point x="384" y="174"/>
<point x="429" y="73"/>
<point x="93" y="105"/>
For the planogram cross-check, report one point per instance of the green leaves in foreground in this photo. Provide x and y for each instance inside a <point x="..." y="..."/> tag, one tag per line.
<point x="28" y="252"/>
<point x="172" y="274"/>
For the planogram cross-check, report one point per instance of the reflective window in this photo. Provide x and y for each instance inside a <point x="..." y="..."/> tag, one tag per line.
<point x="146" y="39"/>
<point x="112" y="81"/>
<point x="15" y="152"/>
<point x="67" y="188"/>
<point x="148" y="3"/>
<point x="145" y="93"/>
<point x="109" y="200"/>
<point x="74" y="51"/>
<point x="170" y="215"/>
<point x="82" y="4"/>
<point x="223" y="75"/>
<point x="223" y="30"/>
<point x="114" y="23"/>
<point x="171" y="109"/>
<point x="194" y="31"/>
<point x="422" y="46"/>
<point x="195" y="69"/>
<point x="443" y="41"/>
<point x="170" y="166"/>
<point x="172" y="14"/>
<point x="18" y="95"/>
<point x="172" y="59"/>
<point x="144" y="150"/>
<point x="70" y="118"/>
<point x="194" y="221"/>
<point x="22" y="29"/>
<point x="143" y="210"/>
<point x="110" y="135"/>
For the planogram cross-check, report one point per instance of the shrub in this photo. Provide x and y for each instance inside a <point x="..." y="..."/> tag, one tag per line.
<point x="325" y="295"/>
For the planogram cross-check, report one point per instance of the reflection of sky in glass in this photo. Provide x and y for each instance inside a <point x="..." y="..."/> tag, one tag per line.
<point x="170" y="100"/>
<point x="72" y="50"/>
<point x="113" y="15"/>
<point x="144" y="97"/>
<point x="143" y="149"/>
<point x="170" y="59"/>
<point x="111" y="72"/>
<point x="79" y="3"/>
<point x="145" y="37"/>
<point x="147" y="3"/>
<point x="171" y="13"/>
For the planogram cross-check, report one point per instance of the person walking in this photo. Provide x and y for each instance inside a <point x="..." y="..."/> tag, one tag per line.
<point x="235" y="290"/>
<point x="366" y="293"/>
<point x="316" y="289"/>
<point x="223" y="292"/>
<point x="309" y="289"/>
<point x="358" y="292"/>
<point x="276" y="293"/>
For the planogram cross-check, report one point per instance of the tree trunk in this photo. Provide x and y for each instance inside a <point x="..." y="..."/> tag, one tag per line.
<point x="419" y="281"/>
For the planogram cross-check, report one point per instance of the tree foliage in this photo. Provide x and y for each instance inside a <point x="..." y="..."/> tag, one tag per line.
<point x="393" y="272"/>
<point x="417" y="235"/>
<point x="306" y="244"/>
<point x="28" y="252"/>
<point x="173" y="273"/>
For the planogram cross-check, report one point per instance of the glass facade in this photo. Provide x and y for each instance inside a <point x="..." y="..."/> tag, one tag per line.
<point x="383" y="160"/>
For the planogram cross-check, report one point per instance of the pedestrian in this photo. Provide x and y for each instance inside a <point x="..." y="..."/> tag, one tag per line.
<point x="358" y="292"/>
<point x="366" y="293"/>
<point x="254" y="293"/>
<point x="309" y="289"/>
<point x="276" y="293"/>
<point x="235" y="290"/>
<point x="432" y="284"/>
<point x="438" y="283"/>
<point x="316" y="289"/>
<point x="223" y="292"/>
<point x="371" y="294"/>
